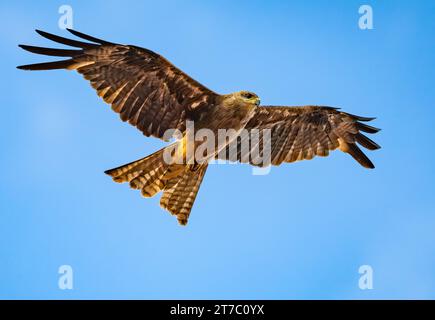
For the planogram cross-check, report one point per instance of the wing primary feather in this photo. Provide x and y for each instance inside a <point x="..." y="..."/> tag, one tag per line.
<point x="366" y="142"/>
<point x="88" y="37"/>
<point x="329" y="108"/>
<point x="68" y="42"/>
<point x="359" y="118"/>
<point x="63" y="64"/>
<point x="366" y="128"/>
<point x="359" y="156"/>
<point x="51" y="51"/>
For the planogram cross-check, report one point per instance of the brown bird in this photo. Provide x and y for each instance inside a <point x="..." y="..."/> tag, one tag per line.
<point x="156" y="97"/>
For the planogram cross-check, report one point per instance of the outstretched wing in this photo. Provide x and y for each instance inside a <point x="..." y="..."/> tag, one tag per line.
<point x="142" y="86"/>
<point x="301" y="133"/>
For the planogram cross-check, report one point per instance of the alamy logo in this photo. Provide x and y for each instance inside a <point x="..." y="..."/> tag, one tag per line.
<point x="66" y="18"/>
<point x="365" y="21"/>
<point x="66" y="279"/>
<point x="366" y="279"/>
<point x="222" y="147"/>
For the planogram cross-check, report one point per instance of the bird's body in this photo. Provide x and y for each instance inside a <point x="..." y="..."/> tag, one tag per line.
<point x="156" y="97"/>
<point x="231" y="113"/>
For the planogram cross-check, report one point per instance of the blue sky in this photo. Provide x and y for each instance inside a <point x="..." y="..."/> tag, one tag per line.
<point x="300" y="232"/>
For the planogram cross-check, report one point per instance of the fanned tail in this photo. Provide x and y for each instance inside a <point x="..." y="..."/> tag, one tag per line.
<point x="179" y="193"/>
<point x="179" y="182"/>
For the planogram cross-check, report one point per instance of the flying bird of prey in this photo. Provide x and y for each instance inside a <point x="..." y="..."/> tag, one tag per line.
<point x="154" y="96"/>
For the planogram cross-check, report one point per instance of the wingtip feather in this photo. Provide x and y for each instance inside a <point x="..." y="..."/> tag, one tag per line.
<point x="359" y="156"/>
<point x="65" y="41"/>
<point x="88" y="37"/>
<point x="62" y="64"/>
<point x="366" y="128"/>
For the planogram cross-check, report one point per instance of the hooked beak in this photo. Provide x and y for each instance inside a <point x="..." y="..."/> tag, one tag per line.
<point x="257" y="103"/>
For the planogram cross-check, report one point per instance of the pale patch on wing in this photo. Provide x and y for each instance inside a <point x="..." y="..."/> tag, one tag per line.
<point x="79" y="64"/>
<point x="113" y="96"/>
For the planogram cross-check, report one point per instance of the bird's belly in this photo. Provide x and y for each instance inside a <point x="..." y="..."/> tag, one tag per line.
<point x="218" y="129"/>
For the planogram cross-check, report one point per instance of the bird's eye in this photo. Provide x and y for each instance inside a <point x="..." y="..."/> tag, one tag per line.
<point x="247" y="95"/>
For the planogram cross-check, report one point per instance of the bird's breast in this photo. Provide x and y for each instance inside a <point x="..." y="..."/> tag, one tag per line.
<point x="224" y="117"/>
<point x="224" y="123"/>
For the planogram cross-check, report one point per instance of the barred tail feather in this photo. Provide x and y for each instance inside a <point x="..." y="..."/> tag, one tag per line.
<point x="180" y="193"/>
<point x="145" y="174"/>
<point x="179" y="182"/>
<point x="130" y="171"/>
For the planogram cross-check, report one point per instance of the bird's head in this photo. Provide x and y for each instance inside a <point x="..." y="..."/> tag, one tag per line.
<point x="247" y="97"/>
<point x="242" y="98"/>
